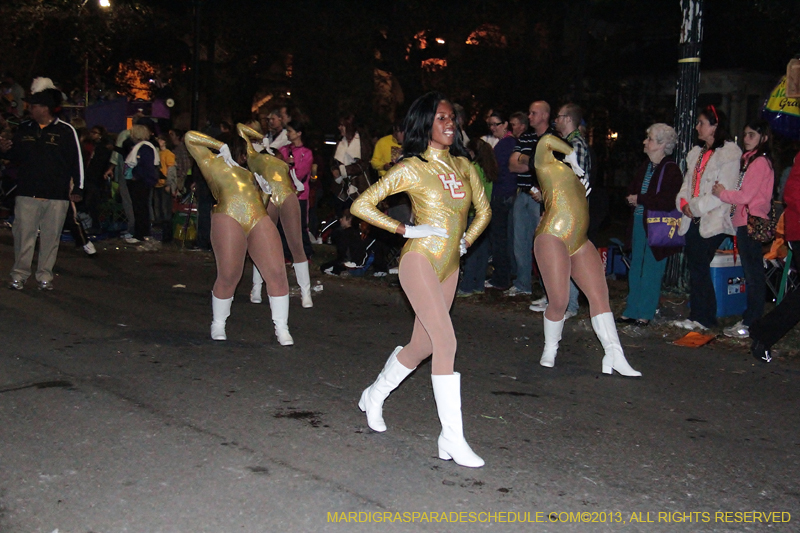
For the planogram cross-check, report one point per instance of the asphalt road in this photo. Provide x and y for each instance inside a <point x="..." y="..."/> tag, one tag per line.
<point x="119" y="414"/>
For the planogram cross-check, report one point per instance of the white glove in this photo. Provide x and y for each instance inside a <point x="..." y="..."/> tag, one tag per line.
<point x="424" y="230"/>
<point x="264" y="184"/>
<point x="462" y="247"/>
<point x="352" y="189"/>
<point x="297" y="183"/>
<point x="572" y="159"/>
<point x="225" y="154"/>
<point x="585" y="183"/>
<point x="342" y="171"/>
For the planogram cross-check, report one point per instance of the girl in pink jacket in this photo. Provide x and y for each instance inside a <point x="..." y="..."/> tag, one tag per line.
<point x="752" y="196"/>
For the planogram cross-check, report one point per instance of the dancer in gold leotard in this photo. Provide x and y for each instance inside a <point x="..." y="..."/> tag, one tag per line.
<point x="562" y="250"/>
<point x="239" y="225"/>
<point x="442" y="185"/>
<point x="283" y="205"/>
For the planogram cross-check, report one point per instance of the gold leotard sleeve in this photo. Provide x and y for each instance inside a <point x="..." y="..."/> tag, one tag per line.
<point x="272" y="169"/>
<point x="233" y="187"/>
<point x="441" y="191"/>
<point x="483" y="213"/>
<point x="566" y="208"/>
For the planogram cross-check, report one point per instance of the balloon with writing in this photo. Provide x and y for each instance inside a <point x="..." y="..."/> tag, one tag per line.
<point x="782" y="112"/>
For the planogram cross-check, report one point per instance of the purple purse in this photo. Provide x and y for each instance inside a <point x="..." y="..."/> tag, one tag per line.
<point x="662" y="226"/>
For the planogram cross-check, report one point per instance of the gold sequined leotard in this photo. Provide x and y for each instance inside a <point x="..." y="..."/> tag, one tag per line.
<point x="441" y="193"/>
<point x="566" y="208"/>
<point x="272" y="169"/>
<point x="234" y="187"/>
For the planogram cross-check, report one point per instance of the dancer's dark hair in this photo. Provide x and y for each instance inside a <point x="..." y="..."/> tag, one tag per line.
<point x="418" y="126"/>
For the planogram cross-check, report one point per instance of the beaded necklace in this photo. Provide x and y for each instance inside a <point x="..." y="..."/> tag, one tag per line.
<point x="745" y="163"/>
<point x="700" y="168"/>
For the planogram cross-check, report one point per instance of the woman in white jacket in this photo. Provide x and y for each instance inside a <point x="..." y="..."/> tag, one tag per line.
<point x="706" y="219"/>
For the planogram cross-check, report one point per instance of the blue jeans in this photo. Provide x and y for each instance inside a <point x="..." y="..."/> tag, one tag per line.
<point x="644" y="278"/>
<point x="752" y="256"/>
<point x="475" y="263"/>
<point x="501" y="254"/>
<point x="526" y="217"/>
<point x="572" y="306"/>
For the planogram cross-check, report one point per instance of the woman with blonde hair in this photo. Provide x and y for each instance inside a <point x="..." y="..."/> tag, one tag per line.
<point x="141" y="174"/>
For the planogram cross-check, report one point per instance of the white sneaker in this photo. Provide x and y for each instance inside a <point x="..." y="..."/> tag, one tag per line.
<point x="132" y="240"/>
<point x="570" y="314"/>
<point x="538" y="307"/>
<point x="540" y="301"/>
<point x="89" y="248"/>
<point x="737" y="331"/>
<point x="379" y="274"/>
<point x="689" y="324"/>
<point x="514" y="291"/>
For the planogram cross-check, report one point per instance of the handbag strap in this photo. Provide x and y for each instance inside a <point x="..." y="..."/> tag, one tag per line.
<point x="661" y="176"/>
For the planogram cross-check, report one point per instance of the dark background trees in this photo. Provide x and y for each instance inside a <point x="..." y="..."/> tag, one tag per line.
<point x="605" y="54"/>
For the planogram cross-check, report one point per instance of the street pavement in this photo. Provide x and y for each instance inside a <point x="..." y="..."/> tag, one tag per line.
<point x="119" y="414"/>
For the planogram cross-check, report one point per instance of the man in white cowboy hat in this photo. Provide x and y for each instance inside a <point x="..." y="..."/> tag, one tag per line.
<point x="47" y="151"/>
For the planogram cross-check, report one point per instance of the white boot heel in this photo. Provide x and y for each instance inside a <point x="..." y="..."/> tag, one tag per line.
<point x="614" y="358"/>
<point x="452" y="444"/>
<point x="304" y="280"/>
<point x="372" y="398"/>
<point x="552" y="336"/>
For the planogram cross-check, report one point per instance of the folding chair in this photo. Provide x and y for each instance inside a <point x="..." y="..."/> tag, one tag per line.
<point x="781" y="277"/>
<point x="617" y="249"/>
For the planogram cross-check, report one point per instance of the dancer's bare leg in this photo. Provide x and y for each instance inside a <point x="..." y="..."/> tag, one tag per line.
<point x="292" y="227"/>
<point x="590" y="277"/>
<point x="230" y="248"/>
<point x="265" y="248"/>
<point x="554" y="265"/>
<point x="431" y="300"/>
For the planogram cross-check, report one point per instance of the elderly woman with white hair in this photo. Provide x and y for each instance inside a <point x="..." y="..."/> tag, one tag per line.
<point x="653" y="188"/>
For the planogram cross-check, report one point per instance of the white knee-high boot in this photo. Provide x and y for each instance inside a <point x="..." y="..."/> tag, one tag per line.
<point x="221" y="310"/>
<point x="304" y="280"/>
<point x="614" y="359"/>
<point x="372" y="398"/>
<point x="279" y="305"/>
<point x="255" y="291"/>
<point x="552" y="336"/>
<point x="452" y="444"/>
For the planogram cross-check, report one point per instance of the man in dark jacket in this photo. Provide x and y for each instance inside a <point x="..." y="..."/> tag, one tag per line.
<point x="47" y="152"/>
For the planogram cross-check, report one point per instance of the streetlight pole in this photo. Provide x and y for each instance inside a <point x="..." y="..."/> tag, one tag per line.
<point x="688" y="87"/>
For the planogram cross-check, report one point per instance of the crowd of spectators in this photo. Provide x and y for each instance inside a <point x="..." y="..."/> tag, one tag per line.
<point x="135" y="180"/>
